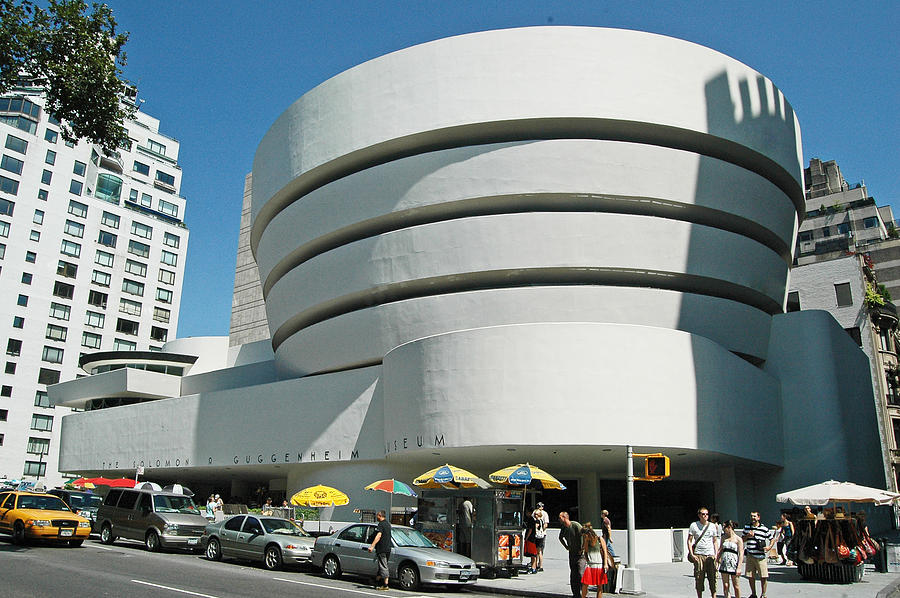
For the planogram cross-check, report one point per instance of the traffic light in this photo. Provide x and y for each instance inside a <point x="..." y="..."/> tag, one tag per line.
<point x="656" y="467"/>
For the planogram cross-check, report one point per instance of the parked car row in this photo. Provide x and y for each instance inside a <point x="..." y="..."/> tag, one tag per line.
<point x="163" y="519"/>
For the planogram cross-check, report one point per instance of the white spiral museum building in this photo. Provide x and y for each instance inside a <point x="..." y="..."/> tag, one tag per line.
<point x="538" y="244"/>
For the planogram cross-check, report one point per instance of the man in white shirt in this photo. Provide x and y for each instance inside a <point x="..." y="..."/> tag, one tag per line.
<point x="703" y="545"/>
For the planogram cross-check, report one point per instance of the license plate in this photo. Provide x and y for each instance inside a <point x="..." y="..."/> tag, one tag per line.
<point x="66" y="532"/>
<point x="192" y="541"/>
<point x="464" y="576"/>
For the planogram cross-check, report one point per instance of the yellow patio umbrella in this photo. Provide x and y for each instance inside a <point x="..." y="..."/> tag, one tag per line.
<point x="451" y="477"/>
<point x="525" y="474"/>
<point x="318" y="497"/>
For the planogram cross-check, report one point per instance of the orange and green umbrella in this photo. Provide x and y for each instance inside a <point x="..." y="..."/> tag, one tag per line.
<point x="392" y="487"/>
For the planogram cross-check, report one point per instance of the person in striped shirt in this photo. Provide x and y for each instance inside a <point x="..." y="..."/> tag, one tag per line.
<point x="757" y="542"/>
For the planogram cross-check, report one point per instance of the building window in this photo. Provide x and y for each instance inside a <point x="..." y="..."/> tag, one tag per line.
<point x="6" y="207"/>
<point x="165" y="178"/>
<point x="1" y="439"/>
<point x="169" y="258"/>
<point x="97" y="299"/>
<point x="15" y="144"/>
<point x="18" y="322"/>
<point x="123" y="345"/>
<point x="871" y="222"/>
<point x="76" y="229"/>
<point x="14" y="347"/>
<point x="38" y="446"/>
<point x="3" y="415"/>
<point x="133" y="287"/>
<point x="70" y="248"/>
<point x="168" y="208"/>
<point x="139" y="249"/>
<point x="805" y="236"/>
<point x="63" y="290"/>
<point x="46" y="177"/>
<point x="8" y="185"/>
<point x="41" y="422"/>
<point x="146" y="200"/>
<point x="52" y="354"/>
<point x="35" y="468"/>
<point x="75" y="187"/>
<point x="42" y="399"/>
<point x="76" y="208"/>
<point x="94" y="319"/>
<point x="56" y="333"/>
<point x="884" y="336"/>
<point x="10" y="367"/>
<point x="50" y="158"/>
<point x="109" y="188"/>
<point x="66" y="269"/>
<point x="106" y="238"/>
<point x="141" y="168"/>
<point x="4" y="229"/>
<point x="136" y="268"/>
<point x="13" y="165"/>
<point x="30" y="257"/>
<point x="5" y="391"/>
<point x="158" y="334"/>
<point x="51" y="135"/>
<point x="104" y="258"/>
<point x="48" y="376"/>
<point x="26" y="277"/>
<point x="157" y="148"/>
<point x="130" y="307"/>
<point x="161" y="314"/>
<point x="171" y="240"/>
<point x="843" y="228"/>
<point x="166" y="277"/>
<point x="90" y="340"/>
<point x="141" y="230"/>
<point x="38" y="217"/>
<point x="164" y="295"/>
<point x="127" y="326"/>
<point x="60" y="311"/>
<point x="110" y="220"/>
<point x="843" y="295"/>
<point x="79" y="167"/>
<point x="22" y="301"/>
<point x="3" y="251"/>
<point x="35" y="235"/>
<point x="100" y="278"/>
<point x="42" y="194"/>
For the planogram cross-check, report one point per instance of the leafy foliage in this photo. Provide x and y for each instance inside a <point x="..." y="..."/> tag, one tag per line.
<point x="75" y="54"/>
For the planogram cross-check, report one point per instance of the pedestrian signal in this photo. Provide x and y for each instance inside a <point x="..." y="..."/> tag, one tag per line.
<point x="656" y="468"/>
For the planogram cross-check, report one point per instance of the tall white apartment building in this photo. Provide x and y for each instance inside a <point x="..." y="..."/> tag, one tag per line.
<point x="92" y="253"/>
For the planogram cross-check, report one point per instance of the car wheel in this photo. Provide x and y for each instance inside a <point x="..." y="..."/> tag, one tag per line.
<point x="272" y="559"/>
<point x="106" y="535"/>
<point x="408" y="577"/>
<point x="19" y="533"/>
<point x="75" y="543"/>
<point x="214" y="550"/>
<point x="151" y="541"/>
<point x="331" y="567"/>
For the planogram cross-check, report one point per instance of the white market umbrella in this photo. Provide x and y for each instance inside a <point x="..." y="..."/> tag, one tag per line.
<point x="833" y="491"/>
<point x="147" y="486"/>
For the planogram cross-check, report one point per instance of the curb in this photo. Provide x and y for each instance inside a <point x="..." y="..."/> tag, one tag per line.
<point x="532" y="593"/>
<point x="890" y="591"/>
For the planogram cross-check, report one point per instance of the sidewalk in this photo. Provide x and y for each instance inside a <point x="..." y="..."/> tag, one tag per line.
<point x="675" y="580"/>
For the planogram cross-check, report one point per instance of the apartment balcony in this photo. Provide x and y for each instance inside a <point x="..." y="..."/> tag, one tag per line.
<point x="884" y="316"/>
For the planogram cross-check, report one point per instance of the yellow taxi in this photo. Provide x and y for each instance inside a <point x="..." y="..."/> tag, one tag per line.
<point x="37" y="516"/>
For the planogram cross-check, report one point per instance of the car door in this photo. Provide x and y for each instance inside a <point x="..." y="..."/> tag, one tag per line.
<point x="229" y="535"/>
<point x="251" y="541"/>
<point x="142" y="515"/>
<point x="352" y="550"/>
<point x="5" y="523"/>
<point x="125" y="516"/>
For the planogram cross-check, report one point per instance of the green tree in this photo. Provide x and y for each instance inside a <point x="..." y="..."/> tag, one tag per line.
<point x="75" y="53"/>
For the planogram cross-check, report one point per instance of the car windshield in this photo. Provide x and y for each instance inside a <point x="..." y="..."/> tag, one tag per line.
<point x="410" y="537"/>
<point x="43" y="503"/>
<point x="173" y="504"/>
<point x="85" y="501"/>
<point x="275" y="525"/>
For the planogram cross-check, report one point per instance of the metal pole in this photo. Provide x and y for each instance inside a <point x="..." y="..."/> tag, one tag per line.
<point x="631" y="575"/>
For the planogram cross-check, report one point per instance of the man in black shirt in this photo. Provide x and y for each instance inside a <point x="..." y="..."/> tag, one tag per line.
<point x="381" y="544"/>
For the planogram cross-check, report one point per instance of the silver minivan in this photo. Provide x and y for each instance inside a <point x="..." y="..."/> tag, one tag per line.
<point x="159" y="519"/>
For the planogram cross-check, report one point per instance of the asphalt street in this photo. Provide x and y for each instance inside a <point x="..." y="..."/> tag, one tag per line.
<point x="127" y="569"/>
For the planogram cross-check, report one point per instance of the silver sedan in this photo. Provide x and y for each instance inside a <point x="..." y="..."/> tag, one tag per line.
<point x="414" y="559"/>
<point x="271" y="540"/>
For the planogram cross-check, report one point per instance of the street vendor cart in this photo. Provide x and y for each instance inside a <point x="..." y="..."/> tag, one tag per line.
<point x="495" y="537"/>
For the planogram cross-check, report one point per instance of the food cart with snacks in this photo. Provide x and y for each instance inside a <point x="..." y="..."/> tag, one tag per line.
<point x="496" y="534"/>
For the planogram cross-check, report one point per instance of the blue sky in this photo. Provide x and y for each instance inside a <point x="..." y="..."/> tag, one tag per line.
<point x="217" y="74"/>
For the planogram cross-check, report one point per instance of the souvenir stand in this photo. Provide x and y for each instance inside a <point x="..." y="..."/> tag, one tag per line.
<point x="833" y="547"/>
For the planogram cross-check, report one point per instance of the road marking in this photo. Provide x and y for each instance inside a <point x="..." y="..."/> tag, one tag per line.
<point x="321" y="585"/>
<point x="105" y="548"/>
<point x="156" y="585"/>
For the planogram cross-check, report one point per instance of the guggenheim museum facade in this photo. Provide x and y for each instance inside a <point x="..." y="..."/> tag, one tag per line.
<point x="527" y="245"/>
